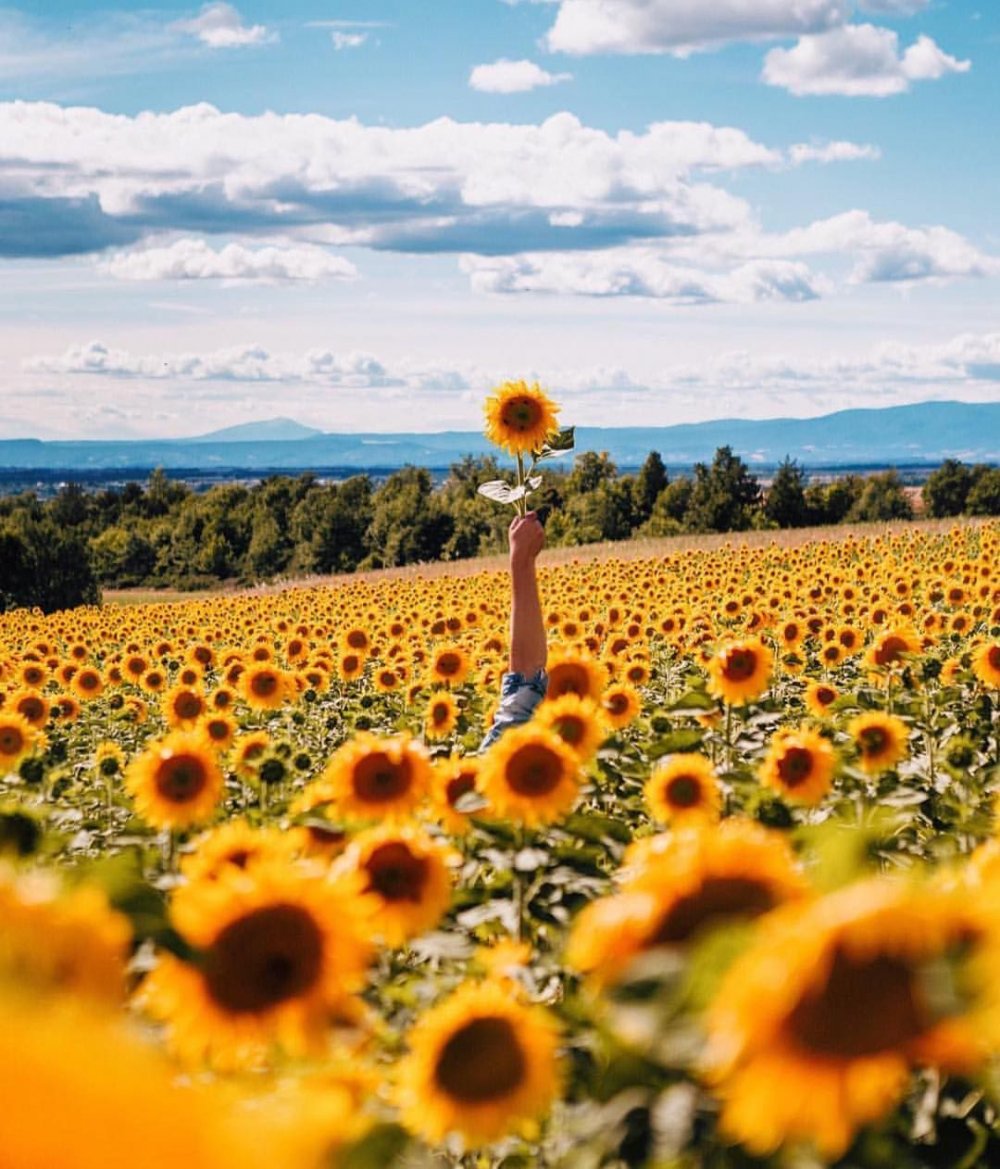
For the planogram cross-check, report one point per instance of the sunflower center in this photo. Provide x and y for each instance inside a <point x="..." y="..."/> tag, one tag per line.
<point x="534" y="770"/>
<point x="187" y="706"/>
<point x="481" y="1062"/>
<point x="395" y="873"/>
<point x="440" y="712"/>
<point x="568" y="679"/>
<point x="264" y="684"/>
<point x="795" y="765"/>
<point x="824" y="695"/>
<point x="716" y="900"/>
<point x="521" y="413"/>
<point x="180" y="778"/>
<point x="460" y="786"/>
<point x="449" y="664"/>
<point x="87" y="680"/>
<point x="873" y="740"/>
<point x="570" y="729"/>
<point x="11" y="741"/>
<point x="263" y="959"/>
<point x="357" y="639"/>
<point x="683" y="791"/>
<point x="617" y="703"/>
<point x="739" y="665"/>
<point x="891" y="650"/>
<point x="993" y="657"/>
<point x="861" y="1009"/>
<point x="377" y="779"/>
<point x="32" y="708"/>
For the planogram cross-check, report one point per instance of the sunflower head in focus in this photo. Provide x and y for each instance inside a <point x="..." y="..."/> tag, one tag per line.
<point x="621" y="704"/>
<point x="520" y="417"/>
<point x="577" y="721"/>
<point x="819" y="698"/>
<point x="683" y="789"/>
<point x="739" y="672"/>
<point x="176" y="781"/>
<point x="799" y="765"/>
<point x="442" y="715"/>
<point x="16" y="738"/>
<point x="371" y="777"/>
<point x="530" y="776"/>
<point x="481" y="1065"/>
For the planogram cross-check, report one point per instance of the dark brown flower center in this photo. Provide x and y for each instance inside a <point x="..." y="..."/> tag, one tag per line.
<point x="739" y="665"/>
<point x="32" y="708"/>
<point x="187" y="705"/>
<point x="263" y="959"/>
<point x="715" y="901"/>
<point x="482" y="1061"/>
<point x="891" y="650"/>
<point x="534" y="770"/>
<point x="521" y="413"/>
<point x="862" y="1008"/>
<point x="449" y="664"/>
<point x="993" y="657"/>
<point x="460" y="786"/>
<point x="395" y="873"/>
<point x="11" y="741"/>
<point x="264" y="684"/>
<point x="683" y="791"/>
<point x="180" y="778"/>
<point x="377" y="778"/>
<point x="874" y="740"/>
<point x="568" y="678"/>
<point x="795" y="765"/>
<point x="825" y="695"/>
<point x="357" y="639"/>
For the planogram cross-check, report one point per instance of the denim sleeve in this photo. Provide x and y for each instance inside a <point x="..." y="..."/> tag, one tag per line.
<point x="518" y="698"/>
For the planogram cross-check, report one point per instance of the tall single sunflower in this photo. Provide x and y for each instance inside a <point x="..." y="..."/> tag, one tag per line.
<point x="481" y="1065"/>
<point x="520" y="417"/>
<point x="176" y="781"/>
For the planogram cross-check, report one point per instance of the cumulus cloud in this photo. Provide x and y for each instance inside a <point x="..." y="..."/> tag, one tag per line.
<point x="682" y="26"/>
<point x="857" y="60"/>
<point x="505" y="76"/>
<point x="642" y="273"/>
<point x="442" y="186"/>
<point x="220" y="26"/>
<point x="194" y="259"/>
<point x="825" y="152"/>
<point x="347" y="40"/>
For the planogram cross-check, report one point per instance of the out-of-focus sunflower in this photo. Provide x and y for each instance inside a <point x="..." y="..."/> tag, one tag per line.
<point x="16" y="737"/>
<point x="370" y="777"/>
<point x="814" y="1029"/>
<point x="279" y="951"/>
<point x="621" y="704"/>
<point x="530" y="776"/>
<point x="678" y="886"/>
<point x="87" y="683"/>
<point x="881" y="739"/>
<point x="248" y="751"/>
<point x="109" y="760"/>
<point x="986" y="664"/>
<point x="453" y="778"/>
<point x="799" y="765"/>
<point x="176" y="781"/>
<point x="407" y="875"/>
<point x="55" y="940"/>
<point x="576" y="720"/>
<point x="891" y="650"/>
<point x="819" y="697"/>
<point x="450" y="666"/>
<point x="182" y="706"/>
<point x="30" y="705"/>
<point x="264" y="686"/>
<point x="235" y="845"/>
<point x="480" y="1065"/>
<point x="572" y="673"/>
<point x="739" y="672"/>
<point x="520" y="417"/>
<point x="683" y="789"/>
<point x="220" y="730"/>
<point x="442" y="715"/>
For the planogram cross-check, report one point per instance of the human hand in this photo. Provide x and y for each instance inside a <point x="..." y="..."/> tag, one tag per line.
<point x="527" y="538"/>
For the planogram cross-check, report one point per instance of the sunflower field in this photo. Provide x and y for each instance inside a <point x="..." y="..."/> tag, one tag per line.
<point x="731" y="898"/>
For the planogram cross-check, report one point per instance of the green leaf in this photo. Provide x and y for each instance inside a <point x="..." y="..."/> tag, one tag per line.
<point x="500" y="491"/>
<point x="561" y="443"/>
<point x="694" y="700"/>
<point x="677" y="742"/>
<point x="596" y="828"/>
<point x="380" y="1148"/>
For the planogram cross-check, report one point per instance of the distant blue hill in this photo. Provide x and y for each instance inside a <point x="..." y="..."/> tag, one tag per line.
<point x="905" y="435"/>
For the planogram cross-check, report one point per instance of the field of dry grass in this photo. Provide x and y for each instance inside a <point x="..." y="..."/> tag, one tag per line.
<point x="624" y="550"/>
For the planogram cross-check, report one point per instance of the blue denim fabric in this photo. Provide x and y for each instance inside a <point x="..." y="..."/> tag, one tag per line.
<point x="518" y="698"/>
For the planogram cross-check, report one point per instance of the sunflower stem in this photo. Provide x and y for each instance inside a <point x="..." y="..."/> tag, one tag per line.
<point x="521" y="503"/>
<point x="519" y="881"/>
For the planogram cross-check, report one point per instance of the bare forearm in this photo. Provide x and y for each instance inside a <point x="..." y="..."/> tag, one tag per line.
<point x="528" y="646"/>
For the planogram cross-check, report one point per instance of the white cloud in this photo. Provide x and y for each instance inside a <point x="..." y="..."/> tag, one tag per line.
<point x="220" y="26"/>
<point x="858" y="60"/>
<point x="193" y="259"/>
<point x="642" y="272"/>
<point x="505" y="76"/>
<point x="681" y="26"/>
<point x="347" y="40"/>
<point x="825" y="152"/>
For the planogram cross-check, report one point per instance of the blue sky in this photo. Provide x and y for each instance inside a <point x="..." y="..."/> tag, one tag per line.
<point x="365" y="213"/>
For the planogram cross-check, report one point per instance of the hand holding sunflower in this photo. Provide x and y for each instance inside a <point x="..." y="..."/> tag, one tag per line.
<point x="521" y="419"/>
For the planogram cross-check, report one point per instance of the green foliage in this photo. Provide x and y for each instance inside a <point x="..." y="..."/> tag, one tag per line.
<point x="882" y="498"/>
<point x="984" y="494"/>
<point x="947" y="489"/>
<point x="785" y="503"/>
<point x="724" y="497"/>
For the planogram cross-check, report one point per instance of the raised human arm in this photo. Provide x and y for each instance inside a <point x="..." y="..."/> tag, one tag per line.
<point x="528" y="645"/>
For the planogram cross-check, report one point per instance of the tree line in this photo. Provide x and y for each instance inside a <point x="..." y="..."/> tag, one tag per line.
<point x="58" y="552"/>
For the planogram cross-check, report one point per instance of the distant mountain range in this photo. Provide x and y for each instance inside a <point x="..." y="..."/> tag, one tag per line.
<point x="924" y="433"/>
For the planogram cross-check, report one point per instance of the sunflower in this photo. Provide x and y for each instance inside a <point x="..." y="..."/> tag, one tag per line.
<point x="351" y="665"/>
<point x="220" y="730"/>
<point x="819" y="698"/>
<point x="247" y="752"/>
<point x="530" y="776"/>
<point x="154" y="680"/>
<point x="481" y="1065"/>
<point x="16" y="737"/>
<point x="406" y="874"/>
<point x="676" y="887"/>
<point x="442" y="716"/>
<point x="234" y="845"/>
<point x="176" y="781"/>
<point x="799" y="765"/>
<point x="450" y="666"/>
<point x="278" y="952"/>
<point x="87" y="683"/>
<point x="683" y="789"/>
<point x="386" y="680"/>
<point x="53" y="940"/>
<point x="371" y="777"/>
<point x="33" y="707"/>
<point x="739" y="672"/>
<point x="576" y="720"/>
<point x="815" y="1027"/>
<point x="881" y="740"/>
<point x="182" y="706"/>
<point x="452" y="778"/>
<point x="264" y="686"/>
<point x="519" y="417"/>
<point x="621" y="704"/>
<point x="891" y="649"/>
<point x="109" y="759"/>
<point x="571" y="673"/>
<point x="986" y="664"/>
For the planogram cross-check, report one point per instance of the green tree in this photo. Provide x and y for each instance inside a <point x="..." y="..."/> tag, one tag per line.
<point x="882" y="498"/>
<point x="408" y="525"/>
<point x="785" y="502"/>
<point x="724" y="496"/>
<point x="648" y="484"/>
<point x="984" y="495"/>
<point x="947" y="489"/>
<point x="45" y="566"/>
<point x="121" y="557"/>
